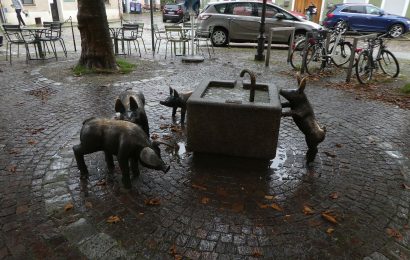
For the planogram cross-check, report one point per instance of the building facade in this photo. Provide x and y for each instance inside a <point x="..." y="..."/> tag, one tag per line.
<point x="39" y="11"/>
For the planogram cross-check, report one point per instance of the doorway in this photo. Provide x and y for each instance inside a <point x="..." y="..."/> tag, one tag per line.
<point x="54" y="11"/>
<point x="301" y="5"/>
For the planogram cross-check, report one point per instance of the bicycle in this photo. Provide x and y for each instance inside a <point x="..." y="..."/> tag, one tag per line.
<point x="366" y="62"/>
<point x="318" y="56"/>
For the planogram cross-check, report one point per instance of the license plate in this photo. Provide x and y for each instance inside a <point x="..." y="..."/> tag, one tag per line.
<point x="171" y="12"/>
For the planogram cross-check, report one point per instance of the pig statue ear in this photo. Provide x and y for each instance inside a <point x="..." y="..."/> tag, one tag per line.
<point x="150" y="159"/>
<point x="299" y="78"/>
<point x="176" y="93"/>
<point x="133" y="104"/>
<point x="119" y="107"/>
<point x="302" y="85"/>
<point x="170" y="91"/>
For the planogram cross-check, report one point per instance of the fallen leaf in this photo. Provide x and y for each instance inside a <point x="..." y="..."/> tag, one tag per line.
<point x="172" y="250"/>
<point x="263" y="206"/>
<point x="330" y="230"/>
<point x="205" y="200"/>
<point x="314" y="223"/>
<point x="394" y="233"/>
<point x="329" y="218"/>
<point x="31" y="141"/>
<point x="238" y="207"/>
<point x="154" y="136"/>
<point x="12" y="168"/>
<point x="330" y="154"/>
<point x="163" y="126"/>
<point x="88" y="205"/>
<point x="113" y="219"/>
<point x="334" y="195"/>
<point x="307" y="210"/>
<point x="256" y="253"/>
<point x="198" y="187"/>
<point x="176" y="128"/>
<point x="14" y="151"/>
<point x="339" y="145"/>
<point x="152" y="202"/>
<point x="177" y="257"/>
<point x="221" y="192"/>
<point x="276" y="206"/>
<point x="269" y="197"/>
<point x="405" y="186"/>
<point x="68" y="206"/>
<point x="102" y="182"/>
<point x="167" y="137"/>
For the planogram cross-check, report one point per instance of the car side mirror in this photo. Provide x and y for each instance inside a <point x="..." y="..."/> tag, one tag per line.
<point x="280" y="16"/>
<point x="381" y="13"/>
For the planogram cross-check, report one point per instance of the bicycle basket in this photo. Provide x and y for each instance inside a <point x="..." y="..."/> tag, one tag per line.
<point x="319" y="34"/>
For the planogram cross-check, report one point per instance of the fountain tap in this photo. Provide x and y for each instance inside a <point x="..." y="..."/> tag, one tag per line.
<point x="253" y="83"/>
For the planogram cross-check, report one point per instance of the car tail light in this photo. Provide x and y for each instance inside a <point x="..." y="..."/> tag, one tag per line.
<point x="179" y="11"/>
<point x="203" y="16"/>
<point x="330" y="15"/>
<point x="312" y="41"/>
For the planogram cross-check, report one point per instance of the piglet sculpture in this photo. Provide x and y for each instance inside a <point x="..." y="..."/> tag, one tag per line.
<point x="121" y="138"/>
<point x="176" y="100"/>
<point x="130" y="105"/>
<point x="304" y="117"/>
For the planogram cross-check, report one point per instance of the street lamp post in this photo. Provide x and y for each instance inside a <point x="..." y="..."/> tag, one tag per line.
<point x="261" y="38"/>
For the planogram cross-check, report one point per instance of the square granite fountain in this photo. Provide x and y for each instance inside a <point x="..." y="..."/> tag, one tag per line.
<point x="222" y="120"/>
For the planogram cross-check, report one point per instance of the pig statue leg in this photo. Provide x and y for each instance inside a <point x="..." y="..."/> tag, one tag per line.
<point x="79" y="157"/>
<point x="174" y="111"/>
<point x="123" y="162"/>
<point x="110" y="161"/>
<point x="183" y="111"/>
<point x="312" y="150"/>
<point x="134" y="168"/>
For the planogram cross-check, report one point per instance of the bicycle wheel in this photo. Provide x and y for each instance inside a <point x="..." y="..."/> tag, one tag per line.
<point x="388" y="63"/>
<point x="364" y="69"/>
<point x="341" y="54"/>
<point x="314" y="62"/>
<point x="296" y="57"/>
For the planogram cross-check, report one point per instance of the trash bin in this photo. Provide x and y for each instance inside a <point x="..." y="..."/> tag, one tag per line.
<point x="138" y="8"/>
<point x="132" y="7"/>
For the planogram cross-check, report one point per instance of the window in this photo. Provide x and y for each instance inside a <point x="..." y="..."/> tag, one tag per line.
<point x="222" y="8"/>
<point x="372" y="10"/>
<point x="107" y="2"/>
<point x="244" y="9"/>
<point x="356" y="9"/>
<point x="27" y="2"/>
<point x="270" y="11"/>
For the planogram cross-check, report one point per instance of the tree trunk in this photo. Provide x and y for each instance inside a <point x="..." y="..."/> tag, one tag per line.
<point x="96" y="44"/>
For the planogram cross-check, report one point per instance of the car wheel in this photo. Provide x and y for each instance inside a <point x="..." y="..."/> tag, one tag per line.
<point x="219" y="37"/>
<point x="299" y="36"/>
<point x="396" y="30"/>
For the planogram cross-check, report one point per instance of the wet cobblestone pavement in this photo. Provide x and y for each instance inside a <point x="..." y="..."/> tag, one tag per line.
<point x="198" y="210"/>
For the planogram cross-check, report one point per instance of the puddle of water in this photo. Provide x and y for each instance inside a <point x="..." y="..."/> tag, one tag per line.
<point x="236" y="93"/>
<point x="182" y="149"/>
<point x="277" y="164"/>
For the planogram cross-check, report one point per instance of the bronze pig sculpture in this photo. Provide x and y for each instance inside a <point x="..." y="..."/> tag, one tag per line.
<point x="121" y="138"/>
<point x="130" y="105"/>
<point x="176" y="100"/>
<point x="304" y="117"/>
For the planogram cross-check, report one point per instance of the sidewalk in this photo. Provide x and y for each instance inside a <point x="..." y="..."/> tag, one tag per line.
<point x="361" y="175"/>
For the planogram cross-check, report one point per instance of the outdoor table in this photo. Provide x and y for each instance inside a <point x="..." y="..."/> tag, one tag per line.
<point x="116" y="31"/>
<point x="37" y="32"/>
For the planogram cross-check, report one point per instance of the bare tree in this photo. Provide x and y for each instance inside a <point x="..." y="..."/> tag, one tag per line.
<point x="96" y="44"/>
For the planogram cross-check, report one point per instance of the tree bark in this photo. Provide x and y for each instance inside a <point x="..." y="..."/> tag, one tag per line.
<point x="96" y="45"/>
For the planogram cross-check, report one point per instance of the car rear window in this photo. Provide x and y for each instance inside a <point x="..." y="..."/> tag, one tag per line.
<point x="356" y="9"/>
<point x="221" y="8"/>
<point x="171" y="6"/>
<point x="331" y="9"/>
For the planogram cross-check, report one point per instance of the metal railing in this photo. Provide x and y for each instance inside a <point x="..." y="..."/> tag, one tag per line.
<point x="280" y="29"/>
<point x="70" y="19"/>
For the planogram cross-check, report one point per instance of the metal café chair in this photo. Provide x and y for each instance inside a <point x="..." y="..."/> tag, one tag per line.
<point x="52" y="35"/>
<point x="15" y="36"/>
<point x="159" y="36"/>
<point x="140" y="32"/>
<point x="204" y="36"/>
<point x="175" y="35"/>
<point x="128" y="34"/>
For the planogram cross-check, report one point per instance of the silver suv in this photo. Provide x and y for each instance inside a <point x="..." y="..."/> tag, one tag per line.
<point x="239" y="22"/>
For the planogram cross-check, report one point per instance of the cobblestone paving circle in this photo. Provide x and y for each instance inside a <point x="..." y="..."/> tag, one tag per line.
<point x="203" y="211"/>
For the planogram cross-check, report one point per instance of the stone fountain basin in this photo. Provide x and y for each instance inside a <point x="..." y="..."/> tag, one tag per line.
<point x="232" y="126"/>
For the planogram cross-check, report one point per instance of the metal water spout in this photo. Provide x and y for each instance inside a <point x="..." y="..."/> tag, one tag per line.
<point x="253" y="83"/>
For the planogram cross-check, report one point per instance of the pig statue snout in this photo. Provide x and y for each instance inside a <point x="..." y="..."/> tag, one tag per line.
<point x="130" y="105"/>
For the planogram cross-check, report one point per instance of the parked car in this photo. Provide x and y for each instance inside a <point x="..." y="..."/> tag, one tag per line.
<point x="239" y="21"/>
<point x="175" y="13"/>
<point x="366" y="18"/>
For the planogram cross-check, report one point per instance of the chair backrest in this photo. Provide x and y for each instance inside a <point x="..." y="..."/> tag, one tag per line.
<point x="13" y="33"/>
<point x="173" y="32"/>
<point x="54" y="30"/>
<point x="130" y="31"/>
